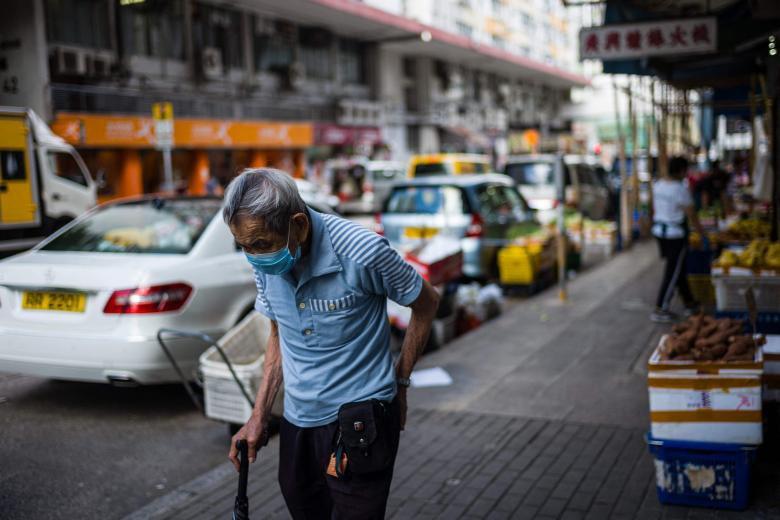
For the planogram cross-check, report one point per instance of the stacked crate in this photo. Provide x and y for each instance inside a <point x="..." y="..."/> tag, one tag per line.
<point x="706" y="424"/>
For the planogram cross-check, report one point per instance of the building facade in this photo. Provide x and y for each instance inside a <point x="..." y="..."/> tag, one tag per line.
<point x="261" y="82"/>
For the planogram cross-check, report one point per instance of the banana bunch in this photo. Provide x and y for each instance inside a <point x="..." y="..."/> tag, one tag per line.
<point x="753" y="255"/>
<point x="727" y="258"/>
<point x="749" y="229"/>
<point x="758" y="254"/>
<point x="695" y="239"/>
<point x="772" y="256"/>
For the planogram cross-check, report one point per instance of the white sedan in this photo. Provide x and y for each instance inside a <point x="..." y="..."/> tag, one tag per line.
<point x="86" y="304"/>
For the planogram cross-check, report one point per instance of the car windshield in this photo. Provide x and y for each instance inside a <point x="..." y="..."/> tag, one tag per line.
<point x="150" y="226"/>
<point x="498" y="201"/>
<point x="425" y="200"/>
<point x="426" y="170"/>
<point x="532" y="173"/>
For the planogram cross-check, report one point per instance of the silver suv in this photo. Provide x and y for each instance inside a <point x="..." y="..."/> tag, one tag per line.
<point x="479" y="210"/>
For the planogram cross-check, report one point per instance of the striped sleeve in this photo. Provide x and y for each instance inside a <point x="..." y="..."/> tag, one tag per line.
<point x="384" y="271"/>
<point x="261" y="302"/>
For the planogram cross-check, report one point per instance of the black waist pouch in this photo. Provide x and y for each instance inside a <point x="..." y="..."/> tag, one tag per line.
<point x="364" y="436"/>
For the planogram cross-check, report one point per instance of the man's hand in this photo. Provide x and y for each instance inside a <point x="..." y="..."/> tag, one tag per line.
<point x="401" y="396"/>
<point x="256" y="435"/>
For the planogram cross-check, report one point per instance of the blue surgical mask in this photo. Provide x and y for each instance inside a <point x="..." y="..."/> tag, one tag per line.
<point x="277" y="263"/>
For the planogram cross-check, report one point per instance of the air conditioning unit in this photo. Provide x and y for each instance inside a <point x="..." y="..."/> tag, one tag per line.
<point x="360" y="113"/>
<point x="99" y="65"/>
<point x="295" y="75"/>
<point x="69" y="61"/>
<point x="211" y="63"/>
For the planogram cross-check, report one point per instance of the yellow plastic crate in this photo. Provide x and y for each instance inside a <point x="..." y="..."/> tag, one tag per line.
<point x="516" y="265"/>
<point x="702" y="288"/>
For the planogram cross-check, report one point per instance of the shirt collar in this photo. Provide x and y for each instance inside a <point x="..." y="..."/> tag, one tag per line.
<point x="322" y="258"/>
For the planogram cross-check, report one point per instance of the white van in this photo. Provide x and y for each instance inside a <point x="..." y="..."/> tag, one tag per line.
<point x="44" y="184"/>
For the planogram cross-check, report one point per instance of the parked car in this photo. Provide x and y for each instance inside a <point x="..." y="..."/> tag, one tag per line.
<point x="478" y="210"/>
<point x="86" y="304"/>
<point x="585" y="187"/>
<point x="447" y="164"/>
<point x="647" y="169"/>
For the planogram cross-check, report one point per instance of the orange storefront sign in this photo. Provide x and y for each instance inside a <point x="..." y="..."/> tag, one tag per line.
<point x="109" y="131"/>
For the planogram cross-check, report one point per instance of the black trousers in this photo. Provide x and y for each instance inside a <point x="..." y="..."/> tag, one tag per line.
<point x="304" y="454"/>
<point x="674" y="250"/>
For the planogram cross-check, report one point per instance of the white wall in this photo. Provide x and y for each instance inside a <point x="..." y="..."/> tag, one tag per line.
<point x="25" y="76"/>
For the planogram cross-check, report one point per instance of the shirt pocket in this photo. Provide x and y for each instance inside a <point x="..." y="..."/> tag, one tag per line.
<point x="335" y="319"/>
<point x="332" y="305"/>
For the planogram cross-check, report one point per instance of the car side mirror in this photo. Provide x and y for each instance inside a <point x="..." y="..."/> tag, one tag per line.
<point x="100" y="179"/>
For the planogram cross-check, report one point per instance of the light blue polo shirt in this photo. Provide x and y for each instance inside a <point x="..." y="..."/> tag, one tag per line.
<point x="333" y="326"/>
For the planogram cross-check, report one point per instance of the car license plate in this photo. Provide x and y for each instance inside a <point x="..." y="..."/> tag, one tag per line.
<point x="418" y="232"/>
<point x="54" y="301"/>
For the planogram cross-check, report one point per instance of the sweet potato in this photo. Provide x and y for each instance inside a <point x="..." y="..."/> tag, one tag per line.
<point x="721" y="336"/>
<point x="679" y="328"/>
<point x="748" y="355"/>
<point x="718" y="350"/>
<point x="708" y="329"/>
<point x="739" y="345"/>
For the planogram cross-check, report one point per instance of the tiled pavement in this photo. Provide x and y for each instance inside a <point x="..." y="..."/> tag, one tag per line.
<point x="544" y="424"/>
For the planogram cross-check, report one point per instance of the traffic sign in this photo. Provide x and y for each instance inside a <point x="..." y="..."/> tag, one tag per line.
<point x="162" y="111"/>
<point x="163" y="124"/>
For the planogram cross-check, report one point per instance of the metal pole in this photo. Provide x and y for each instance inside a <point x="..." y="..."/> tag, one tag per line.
<point x="625" y="224"/>
<point x="167" y="170"/>
<point x="561" y="195"/>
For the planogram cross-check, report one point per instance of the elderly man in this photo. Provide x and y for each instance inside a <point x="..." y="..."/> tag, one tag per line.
<point x="324" y="282"/>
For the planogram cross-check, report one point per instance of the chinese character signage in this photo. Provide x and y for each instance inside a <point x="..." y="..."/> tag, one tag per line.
<point x="639" y="40"/>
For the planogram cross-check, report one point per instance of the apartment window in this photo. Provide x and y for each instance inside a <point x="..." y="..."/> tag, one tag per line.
<point x="464" y="29"/>
<point x="410" y="85"/>
<point x="315" y="52"/>
<point x="274" y="44"/>
<point x="153" y="28"/>
<point x="78" y="22"/>
<point x="499" y="42"/>
<point x="351" y="55"/>
<point x="219" y="28"/>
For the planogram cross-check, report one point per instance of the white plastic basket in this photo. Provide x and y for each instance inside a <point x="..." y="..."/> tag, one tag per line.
<point x="730" y="292"/>
<point x="244" y="345"/>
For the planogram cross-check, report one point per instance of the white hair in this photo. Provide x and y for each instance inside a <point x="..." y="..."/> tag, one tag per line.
<point x="265" y="193"/>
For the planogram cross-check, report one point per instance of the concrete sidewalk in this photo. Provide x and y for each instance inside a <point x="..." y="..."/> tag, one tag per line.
<point x="545" y="419"/>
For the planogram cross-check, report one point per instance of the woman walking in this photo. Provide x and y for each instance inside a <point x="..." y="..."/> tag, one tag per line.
<point x="673" y="211"/>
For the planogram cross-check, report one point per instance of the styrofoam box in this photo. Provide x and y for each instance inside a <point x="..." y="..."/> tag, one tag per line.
<point x="705" y="401"/>
<point x="244" y="345"/>
<point x="730" y="291"/>
<point x="772" y="368"/>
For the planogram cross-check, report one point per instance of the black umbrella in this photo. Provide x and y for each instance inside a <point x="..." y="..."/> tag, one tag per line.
<point x="241" y="509"/>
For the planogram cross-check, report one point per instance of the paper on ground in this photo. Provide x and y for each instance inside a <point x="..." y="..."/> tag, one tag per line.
<point x="436" y="376"/>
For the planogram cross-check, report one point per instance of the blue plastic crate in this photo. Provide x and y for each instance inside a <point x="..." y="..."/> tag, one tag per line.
<point x="766" y="322"/>
<point x="699" y="261"/>
<point x="702" y="474"/>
